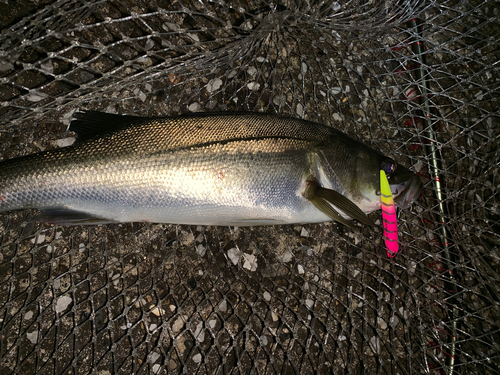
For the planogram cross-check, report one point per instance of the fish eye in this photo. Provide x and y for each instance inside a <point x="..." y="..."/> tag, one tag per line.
<point x="389" y="166"/>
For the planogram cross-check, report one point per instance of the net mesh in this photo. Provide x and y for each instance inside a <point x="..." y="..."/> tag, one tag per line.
<point x="416" y="80"/>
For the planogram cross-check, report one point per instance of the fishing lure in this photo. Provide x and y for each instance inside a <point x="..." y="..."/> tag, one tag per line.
<point x="388" y="216"/>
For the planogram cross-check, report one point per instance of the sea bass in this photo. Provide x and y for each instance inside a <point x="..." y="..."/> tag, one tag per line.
<point x="239" y="169"/>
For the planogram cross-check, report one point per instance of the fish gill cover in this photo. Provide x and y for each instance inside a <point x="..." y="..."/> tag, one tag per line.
<point x="416" y="80"/>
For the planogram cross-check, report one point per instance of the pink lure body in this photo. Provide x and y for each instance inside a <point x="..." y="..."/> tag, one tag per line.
<point x="388" y="216"/>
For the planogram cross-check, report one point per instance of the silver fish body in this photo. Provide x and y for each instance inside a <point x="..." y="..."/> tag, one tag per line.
<point x="214" y="169"/>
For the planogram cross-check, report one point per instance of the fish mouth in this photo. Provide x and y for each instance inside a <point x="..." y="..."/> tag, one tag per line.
<point x="406" y="192"/>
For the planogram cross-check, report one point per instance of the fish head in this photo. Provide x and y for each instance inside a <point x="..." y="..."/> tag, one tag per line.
<point x="353" y="169"/>
<point x="405" y="185"/>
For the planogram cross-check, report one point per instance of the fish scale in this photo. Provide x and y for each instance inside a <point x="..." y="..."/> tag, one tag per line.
<point x="213" y="169"/>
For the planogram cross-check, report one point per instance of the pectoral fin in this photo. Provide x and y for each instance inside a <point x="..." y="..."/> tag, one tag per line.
<point x="323" y="199"/>
<point x="344" y="204"/>
<point x="327" y="209"/>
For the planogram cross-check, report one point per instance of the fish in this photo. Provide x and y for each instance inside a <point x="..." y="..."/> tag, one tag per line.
<point x="227" y="169"/>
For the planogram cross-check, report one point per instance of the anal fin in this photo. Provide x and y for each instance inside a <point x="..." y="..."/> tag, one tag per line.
<point x="64" y="216"/>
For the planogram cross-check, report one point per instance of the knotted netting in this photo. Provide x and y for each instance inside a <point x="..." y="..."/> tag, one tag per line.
<point x="415" y="80"/>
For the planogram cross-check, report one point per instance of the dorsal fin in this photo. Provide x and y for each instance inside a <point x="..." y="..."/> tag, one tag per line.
<point x="88" y="124"/>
